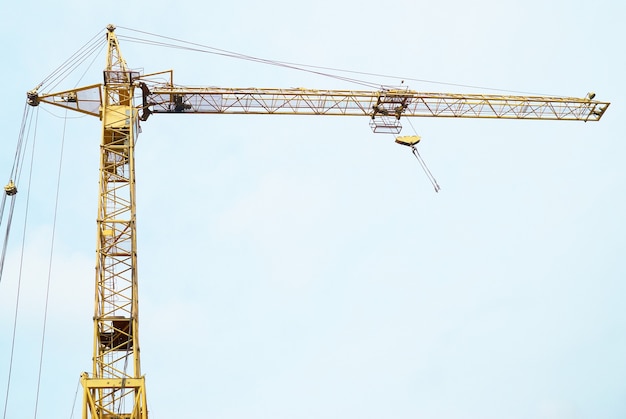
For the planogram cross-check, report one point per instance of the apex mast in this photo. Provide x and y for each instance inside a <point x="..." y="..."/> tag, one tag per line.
<point x="116" y="389"/>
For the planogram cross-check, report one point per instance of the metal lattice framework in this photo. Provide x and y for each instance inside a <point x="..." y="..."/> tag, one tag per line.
<point x="116" y="388"/>
<point x="385" y="107"/>
<point x="396" y="102"/>
<point x="385" y="102"/>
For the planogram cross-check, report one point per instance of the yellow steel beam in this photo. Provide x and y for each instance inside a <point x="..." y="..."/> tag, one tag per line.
<point x="116" y="388"/>
<point x="397" y="103"/>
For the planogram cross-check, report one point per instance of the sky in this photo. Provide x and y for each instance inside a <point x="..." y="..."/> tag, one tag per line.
<point x="304" y="267"/>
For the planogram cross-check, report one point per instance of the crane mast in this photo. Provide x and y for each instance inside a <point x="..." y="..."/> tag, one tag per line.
<point x="115" y="389"/>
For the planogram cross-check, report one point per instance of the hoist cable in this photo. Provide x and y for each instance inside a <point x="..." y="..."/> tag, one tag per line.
<point x="304" y="67"/>
<point x="18" y="158"/>
<point x="125" y="374"/>
<point x="72" y="57"/>
<point x="95" y="56"/>
<point x="425" y="168"/>
<point x="217" y="51"/>
<point x="43" y="108"/>
<point x="70" y="64"/>
<point x="75" y="398"/>
<point x="45" y="316"/>
<point x="14" y="177"/>
<point x="79" y="60"/>
<point x="6" y="234"/>
<point x="250" y="58"/>
<point x="17" y="300"/>
<point x="19" y="276"/>
<point x="422" y="163"/>
<point x="4" y="200"/>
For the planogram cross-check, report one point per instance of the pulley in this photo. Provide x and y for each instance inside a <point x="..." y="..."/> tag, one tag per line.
<point x="10" y="189"/>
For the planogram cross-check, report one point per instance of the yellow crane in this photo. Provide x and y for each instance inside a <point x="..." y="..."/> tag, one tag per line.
<point x="115" y="388"/>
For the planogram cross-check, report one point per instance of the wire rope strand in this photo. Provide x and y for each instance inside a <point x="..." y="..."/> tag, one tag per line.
<point x="4" y="200"/>
<point x="17" y="299"/>
<point x="15" y="174"/>
<point x="422" y="163"/>
<point x="19" y="277"/>
<point x="20" y="141"/>
<point x="304" y="67"/>
<point x="429" y="175"/>
<point x="6" y="236"/>
<point x="92" y="52"/>
<point x="216" y="51"/>
<point x="49" y="278"/>
<point x="75" y="398"/>
<point x="72" y="57"/>
<point x="95" y="56"/>
<point x="68" y="64"/>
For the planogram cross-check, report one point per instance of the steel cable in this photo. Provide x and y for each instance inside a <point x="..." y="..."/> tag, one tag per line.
<point x="49" y="278"/>
<point x="69" y="65"/>
<point x="14" y="180"/>
<point x="299" y="66"/>
<point x="21" y="265"/>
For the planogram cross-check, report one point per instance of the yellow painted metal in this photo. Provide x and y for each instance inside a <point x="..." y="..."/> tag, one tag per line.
<point x="393" y="103"/>
<point x="408" y="140"/>
<point x="86" y="99"/>
<point x="116" y="388"/>
<point x="117" y="116"/>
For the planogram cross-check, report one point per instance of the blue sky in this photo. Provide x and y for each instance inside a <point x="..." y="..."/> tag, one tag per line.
<point x="303" y="266"/>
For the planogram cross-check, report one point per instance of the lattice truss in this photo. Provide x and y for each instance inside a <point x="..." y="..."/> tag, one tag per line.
<point x="395" y="102"/>
<point x="116" y="388"/>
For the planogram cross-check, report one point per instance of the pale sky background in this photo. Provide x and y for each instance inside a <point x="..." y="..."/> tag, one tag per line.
<point x="303" y="267"/>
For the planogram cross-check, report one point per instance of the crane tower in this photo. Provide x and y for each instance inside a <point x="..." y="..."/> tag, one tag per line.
<point x="115" y="388"/>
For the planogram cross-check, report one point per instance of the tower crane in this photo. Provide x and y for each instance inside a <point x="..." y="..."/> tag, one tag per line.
<point x="115" y="388"/>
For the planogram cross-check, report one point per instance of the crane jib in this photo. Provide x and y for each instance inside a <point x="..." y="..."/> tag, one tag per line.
<point x="370" y="103"/>
<point x="375" y="104"/>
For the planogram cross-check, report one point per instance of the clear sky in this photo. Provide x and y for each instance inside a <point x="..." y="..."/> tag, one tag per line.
<point x="303" y="267"/>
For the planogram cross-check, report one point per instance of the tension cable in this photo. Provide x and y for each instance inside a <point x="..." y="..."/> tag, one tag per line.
<point x="10" y="189"/>
<point x="411" y="141"/>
